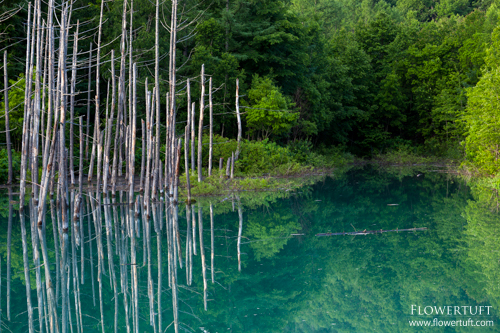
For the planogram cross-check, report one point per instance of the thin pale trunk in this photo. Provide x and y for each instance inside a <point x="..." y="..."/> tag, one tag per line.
<point x="172" y="90"/>
<point x="149" y="149"/>
<point x="133" y="259"/>
<point x="72" y="106"/>
<point x="75" y="240"/>
<point x="210" y="135"/>
<point x="238" y="118"/>
<point x="143" y="157"/>
<point x="97" y="95"/>
<point x="131" y="77"/>
<point x="193" y="111"/>
<point x="7" y="127"/>
<point x="175" y="300"/>
<point x="133" y="136"/>
<point x="189" y="120"/>
<point x="189" y="250"/>
<point x="121" y="96"/>
<point x="27" y="278"/>
<point x="200" y="125"/>
<point x="44" y="81"/>
<point x="89" y="91"/>
<point x="56" y="248"/>
<point x="202" y="254"/>
<point x="186" y="145"/>
<point x="9" y="241"/>
<point x="109" y="236"/>
<point x="232" y="165"/>
<point x="160" y="261"/>
<point x="90" y="213"/>
<point x="193" y="223"/>
<point x="24" y="148"/>
<point x="157" y="91"/>
<point x="98" y="229"/>
<point x="212" y="254"/>
<point x="36" y="102"/>
<point x="177" y="172"/>
<point x="240" y="230"/>
<point x="95" y="140"/>
<point x="109" y="126"/>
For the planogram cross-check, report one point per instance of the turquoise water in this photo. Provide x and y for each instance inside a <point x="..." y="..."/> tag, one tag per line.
<point x="287" y="279"/>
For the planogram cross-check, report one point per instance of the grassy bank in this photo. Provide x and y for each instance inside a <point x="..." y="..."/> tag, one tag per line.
<point x="219" y="185"/>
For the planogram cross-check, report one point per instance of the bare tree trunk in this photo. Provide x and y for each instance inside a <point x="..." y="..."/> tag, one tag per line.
<point x="160" y="261"/>
<point x="109" y="125"/>
<point x="121" y="97"/>
<point x="175" y="300"/>
<point x="24" y="148"/>
<point x="189" y="249"/>
<point x="211" y="134"/>
<point x="133" y="133"/>
<point x="212" y="254"/>
<point x="188" y="183"/>
<point x="131" y="69"/>
<point x="27" y="278"/>
<point x="89" y="212"/>
<point x="9" y="241"/>
<point x="172" y="90"/>
<point x="143" y="157"/>
<point x="240" y="230"/>
<point x="133" y="259"/>
<point x="189" y="120"/>
<point x="177" y="174"/>
<point x="95" y="141"/>
<point x="202" y="253"/>
<point x="97" y="94"/>
<point x="238" y="118"/>
<point x="157" y="88"/>
<point x="109" y="236"/>
<point x="193" y="211"/>
<point x="89" y="90"/>
<point x="193" y="111"/>
<point x="75" y="240"/>
<point x="80" y="164"/>
<point x="156" y="163"/>
<point x="36" y="102"/>
<point x="44" y="81"/>
<point x="200" y="126"/>
<point x="232" y="165"/>
<point x="72" y="106"/>
<point x="7" y="126"/>
<point x="98" y="229"/>
<point x="149" y="148"/>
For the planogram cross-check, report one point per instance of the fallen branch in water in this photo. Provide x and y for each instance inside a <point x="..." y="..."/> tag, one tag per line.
<point x="365" y="232"/>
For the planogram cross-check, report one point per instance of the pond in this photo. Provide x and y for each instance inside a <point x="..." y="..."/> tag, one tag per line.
<point x="368" y="250"/>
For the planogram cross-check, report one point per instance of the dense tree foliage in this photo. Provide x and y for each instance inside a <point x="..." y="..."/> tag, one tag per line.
<point x="370" y="75"/>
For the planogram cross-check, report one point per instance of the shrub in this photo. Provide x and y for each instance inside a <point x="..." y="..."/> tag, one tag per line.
<point x="4" y="164"/>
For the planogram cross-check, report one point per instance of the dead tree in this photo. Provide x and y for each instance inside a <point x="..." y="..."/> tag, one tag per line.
<point x="200" y="125"/>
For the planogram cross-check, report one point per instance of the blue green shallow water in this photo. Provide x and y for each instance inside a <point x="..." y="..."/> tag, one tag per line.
<point x="292" y="280"/>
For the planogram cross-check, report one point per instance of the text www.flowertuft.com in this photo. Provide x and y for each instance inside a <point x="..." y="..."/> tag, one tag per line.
<point x="461" y="322"/>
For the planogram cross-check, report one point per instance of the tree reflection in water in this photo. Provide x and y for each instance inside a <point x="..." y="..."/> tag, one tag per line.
<point x="264" y="279"/>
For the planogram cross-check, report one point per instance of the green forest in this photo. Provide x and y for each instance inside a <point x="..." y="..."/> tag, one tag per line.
<point x="317" y="79"/>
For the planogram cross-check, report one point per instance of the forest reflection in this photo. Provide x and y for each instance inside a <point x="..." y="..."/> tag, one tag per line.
<point x="250" y="262"/>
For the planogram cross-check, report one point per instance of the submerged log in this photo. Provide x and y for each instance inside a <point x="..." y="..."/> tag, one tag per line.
<point x="368" y="232"/>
